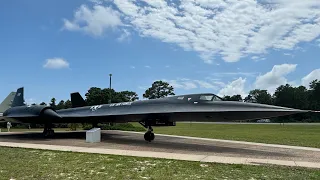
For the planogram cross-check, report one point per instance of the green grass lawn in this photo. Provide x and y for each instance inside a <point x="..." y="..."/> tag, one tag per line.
<point x="17" y="163"/>
<point x="299" y="135"/>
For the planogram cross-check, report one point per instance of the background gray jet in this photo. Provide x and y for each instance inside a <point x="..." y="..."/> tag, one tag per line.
<point x="7" y="102"/>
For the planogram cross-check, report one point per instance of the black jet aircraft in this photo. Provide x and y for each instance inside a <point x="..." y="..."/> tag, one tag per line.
<point x="205" y="107"/>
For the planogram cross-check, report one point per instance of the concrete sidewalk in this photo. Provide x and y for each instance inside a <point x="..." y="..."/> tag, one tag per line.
<point x="176" y="156"/>
<point x="231" y="141"/>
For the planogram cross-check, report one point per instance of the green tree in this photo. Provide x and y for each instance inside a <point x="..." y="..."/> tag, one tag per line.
<point x="60" y="105"/>
<point x="43" y="103"/>
<point x="159" y="89"/>
<point x="94" y="96"/>
<point x="67" y="104"/>
<point x="237" y="97"/>
<point x="259" y="96"/>
<point x="53" y="103"/>
<point x="314" y="95"/>
<point x="127" y="96"/>
<point x="301" y="97"/>
<point x="284" y="96"/>
<point x="226" y="98"/>
<point x="109" y="96"/>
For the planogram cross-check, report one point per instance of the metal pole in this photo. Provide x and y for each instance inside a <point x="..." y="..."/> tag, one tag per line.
<point x="110" y="80"/>
<point x="111" y="123"/>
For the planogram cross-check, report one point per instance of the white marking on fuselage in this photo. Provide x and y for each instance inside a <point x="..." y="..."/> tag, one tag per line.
<point x="121" y="104"/>
<point x="94" y="108"/>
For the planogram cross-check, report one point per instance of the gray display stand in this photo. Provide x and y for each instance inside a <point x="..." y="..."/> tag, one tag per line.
<point x="93" y="135"/>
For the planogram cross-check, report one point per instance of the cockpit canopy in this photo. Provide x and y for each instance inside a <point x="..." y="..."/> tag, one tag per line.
<point x="210" y="97"/>
<point x="199" y="97"/>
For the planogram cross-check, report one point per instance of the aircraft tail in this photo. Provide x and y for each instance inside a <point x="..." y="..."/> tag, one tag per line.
<point x="77" y="100"/>
<point x="7" y="102"/>
<point x="18" y="98"/>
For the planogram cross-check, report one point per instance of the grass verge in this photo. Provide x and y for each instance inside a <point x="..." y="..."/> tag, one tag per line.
<point x="297" y="135"/>
<point x="20" y="163"/>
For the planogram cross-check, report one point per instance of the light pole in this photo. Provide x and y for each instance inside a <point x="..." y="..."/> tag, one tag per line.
<point x="111" y="123"/>
<point x="110" y="80"/>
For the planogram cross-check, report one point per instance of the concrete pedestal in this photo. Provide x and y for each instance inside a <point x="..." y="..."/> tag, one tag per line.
<point x="93" y="135"/>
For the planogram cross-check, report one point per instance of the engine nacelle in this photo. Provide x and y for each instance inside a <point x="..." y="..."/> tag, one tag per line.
<point x="31" y="111"/>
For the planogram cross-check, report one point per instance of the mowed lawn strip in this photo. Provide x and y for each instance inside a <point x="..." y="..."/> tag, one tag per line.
<point x="18" y="163"/>
<point x="297" y="135"/>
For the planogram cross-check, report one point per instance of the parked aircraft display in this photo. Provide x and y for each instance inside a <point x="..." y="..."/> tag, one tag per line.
<point x="204" y="107"/>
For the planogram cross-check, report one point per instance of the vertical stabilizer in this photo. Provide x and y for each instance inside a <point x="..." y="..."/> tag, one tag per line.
<point x="77" y="100"/>
<point x="18" y="98"/>
<point x="7" y="102"/>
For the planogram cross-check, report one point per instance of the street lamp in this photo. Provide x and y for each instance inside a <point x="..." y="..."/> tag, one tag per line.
<point x="111" y="123"/>
<point x="110" y="80"/>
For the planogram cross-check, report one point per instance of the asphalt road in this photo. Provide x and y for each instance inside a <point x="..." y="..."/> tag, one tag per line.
<point x="135" y="141"/>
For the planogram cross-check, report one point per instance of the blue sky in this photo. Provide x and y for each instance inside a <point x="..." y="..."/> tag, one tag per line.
<point x="53" y="48"/>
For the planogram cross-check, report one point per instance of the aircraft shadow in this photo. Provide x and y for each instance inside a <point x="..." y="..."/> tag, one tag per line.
<point x="163" y="143"/>
<point x="136" y="140"/>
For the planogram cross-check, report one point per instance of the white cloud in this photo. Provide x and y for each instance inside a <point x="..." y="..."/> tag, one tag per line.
<point x="288" y="54"/>
<point x="318" y="42"/>
<point x="125" y="36"/>
<point x="30" y="101"/>
<point x="255" y="57"/>
<point x="274" y="78"/>
<point x="222" y="74"/>
<point x="187" y="84"/>
<point x="147" y="66"/>
<point x="205" y="84"/>
<point x="258" y="58"/>
<point x="230" y="29"/>
<point x="315" y="74"/>
<point x="93" y="21"/>
<point x="233" y="88"/>
<point x="56" y="63"/>
<point x="132" y="67"/>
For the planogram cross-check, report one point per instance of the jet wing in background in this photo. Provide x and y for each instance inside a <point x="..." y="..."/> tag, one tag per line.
<point x="7" y="102"/>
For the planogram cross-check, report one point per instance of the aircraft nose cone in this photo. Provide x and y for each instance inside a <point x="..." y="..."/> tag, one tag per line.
<point x="49" y="113"/>
<point x="270" y="107"/>
<point x="246" y="106"/>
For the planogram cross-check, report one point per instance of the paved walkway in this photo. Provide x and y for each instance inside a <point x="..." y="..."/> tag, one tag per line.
<point x="176" y="156"/>
<point x="232" y="141"/>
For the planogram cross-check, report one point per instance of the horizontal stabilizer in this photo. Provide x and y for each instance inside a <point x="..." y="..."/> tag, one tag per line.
<point x="77" y="100"/>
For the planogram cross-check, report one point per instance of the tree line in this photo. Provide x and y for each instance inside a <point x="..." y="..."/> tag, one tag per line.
<point x="300" y="97"/>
